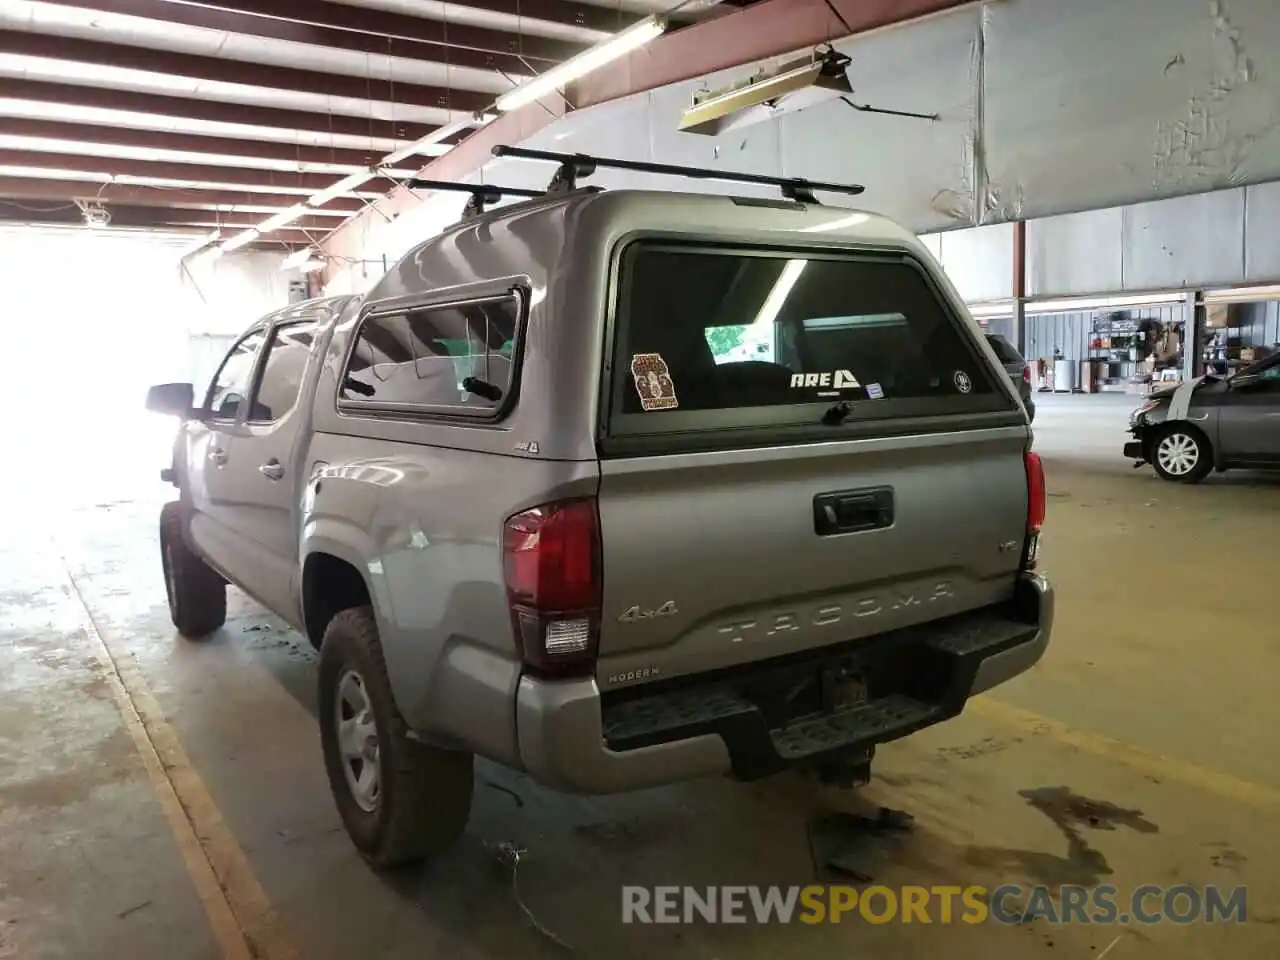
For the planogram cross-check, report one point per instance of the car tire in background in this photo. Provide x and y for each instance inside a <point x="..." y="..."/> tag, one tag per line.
<point x="1181" y="453"/>
<point x="400" y="800"/>
<point x="197" y="593"/>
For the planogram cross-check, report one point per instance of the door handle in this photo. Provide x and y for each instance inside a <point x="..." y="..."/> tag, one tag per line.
<point x="851" y="511"/>
<point x="272" y="469"/>
<point x="218" y="456"/>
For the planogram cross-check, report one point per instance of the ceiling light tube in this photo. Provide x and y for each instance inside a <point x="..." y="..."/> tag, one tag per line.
<point x="577" y="67"/>
<point x="282" y="218"/>
<point x="296" y="259"/>
<point x="344" y="186"/>
<point x="195" y="246"/>
<point x="240" y="240"/>
<point x="434" y="137"/>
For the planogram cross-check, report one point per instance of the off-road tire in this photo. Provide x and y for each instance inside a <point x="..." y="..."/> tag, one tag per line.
<point x="425" y="792"/>
<point x="1186" y="437"/>
<point x="197" y="593"/>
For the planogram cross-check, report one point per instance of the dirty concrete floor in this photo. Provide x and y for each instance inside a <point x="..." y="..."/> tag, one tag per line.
<point x="1142" y="750"/>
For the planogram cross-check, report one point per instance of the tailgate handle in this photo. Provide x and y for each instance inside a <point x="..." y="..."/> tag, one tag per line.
<point x="850" y="511"/>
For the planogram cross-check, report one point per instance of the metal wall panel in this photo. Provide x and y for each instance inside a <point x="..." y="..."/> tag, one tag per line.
<point x="1184" y="242"/>
<point x="934" y="242"/>
<point x="1002" y="326"/>
<point x="1074" y="253"/>
<point x="980" y="261"/>
<point x="1068" y="332"/>
<point x="1262" y="232"/>
<point x="1093" y="103"/>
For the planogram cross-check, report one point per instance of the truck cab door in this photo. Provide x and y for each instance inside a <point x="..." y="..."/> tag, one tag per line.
<point x="268" y="454"/>
<point x="209" y="445"/>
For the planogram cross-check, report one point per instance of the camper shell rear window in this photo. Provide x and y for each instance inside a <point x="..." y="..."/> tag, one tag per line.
<point x="751" y="341"/>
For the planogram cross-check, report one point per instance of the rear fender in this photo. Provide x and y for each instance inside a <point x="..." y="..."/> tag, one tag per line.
<point x="352" y="545"/>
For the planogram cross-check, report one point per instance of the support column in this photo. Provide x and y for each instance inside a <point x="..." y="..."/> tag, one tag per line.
<point x="1192" y="335"/>
<point x="1020" y="285"/>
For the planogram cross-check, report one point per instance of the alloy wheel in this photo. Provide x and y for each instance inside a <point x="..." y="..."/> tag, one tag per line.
<point x="358" y="741"/>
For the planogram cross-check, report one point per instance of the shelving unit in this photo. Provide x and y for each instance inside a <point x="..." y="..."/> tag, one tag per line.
<point x="1113" y="342"/>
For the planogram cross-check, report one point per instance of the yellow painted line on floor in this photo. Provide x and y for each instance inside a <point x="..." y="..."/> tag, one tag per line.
<point x="1157" y="765"/>
<point x="245" y="924"/>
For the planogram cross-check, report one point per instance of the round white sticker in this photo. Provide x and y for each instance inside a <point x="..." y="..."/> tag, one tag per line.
<point x="963" y="383"/>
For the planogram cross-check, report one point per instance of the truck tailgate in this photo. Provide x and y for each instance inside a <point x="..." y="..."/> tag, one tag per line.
<point x="800" y="447"/>
<point x="715" y="560"/>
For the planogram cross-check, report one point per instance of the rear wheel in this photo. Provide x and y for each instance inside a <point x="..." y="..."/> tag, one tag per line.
<point x="1181" y="453"/>
<point x="400" y="800"/>
<point x="197" y="593"/>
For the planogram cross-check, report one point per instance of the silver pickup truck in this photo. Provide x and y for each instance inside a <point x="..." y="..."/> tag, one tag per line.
<point x="618" y="489"/>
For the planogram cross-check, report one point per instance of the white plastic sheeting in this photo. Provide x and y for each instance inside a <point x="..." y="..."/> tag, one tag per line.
<point x="1094" y="103"/>
<point x="1045" y="107"/>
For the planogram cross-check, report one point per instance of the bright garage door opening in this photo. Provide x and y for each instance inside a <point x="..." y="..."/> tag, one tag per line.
<point x="90" y="319"/>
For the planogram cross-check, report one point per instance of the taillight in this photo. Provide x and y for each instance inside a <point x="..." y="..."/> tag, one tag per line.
<point x="1035" y="509"/>
<point x="551" y="561"/>
<point x="1026" y="373"/>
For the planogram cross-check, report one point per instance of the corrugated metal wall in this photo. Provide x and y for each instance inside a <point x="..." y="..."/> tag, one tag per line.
<point x="1072" y="332"/>
<point x="1260" y="324"/>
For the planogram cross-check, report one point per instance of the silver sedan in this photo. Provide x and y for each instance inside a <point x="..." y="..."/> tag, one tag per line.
<point x="1207" y="424"/>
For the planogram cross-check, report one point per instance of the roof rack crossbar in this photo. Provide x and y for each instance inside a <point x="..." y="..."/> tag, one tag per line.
<point x="575" y="165"/>
<point x="482" y="194"/>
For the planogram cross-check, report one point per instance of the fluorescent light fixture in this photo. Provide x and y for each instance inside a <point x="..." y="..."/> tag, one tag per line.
<point x="240" y="240"/>
<point x="577" y="67"/>
<point x="296" y="259"/>
<point x="841" y="223"/>
<point x="344" y="186"/>
<point x="778" y="295"/>
<point x="282" y="218"/>
<point x="1242" y="294"/>
<point x="985" y="311"/>
<point x="311" y="266"/>
<point x="195" y="246"/>
<point x="438" y="135"/>
<point x="1074" y="304"/>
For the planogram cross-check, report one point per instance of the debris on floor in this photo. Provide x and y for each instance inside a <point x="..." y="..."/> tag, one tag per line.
<point x="507" y="853"/>
<point x="838" y="842"/>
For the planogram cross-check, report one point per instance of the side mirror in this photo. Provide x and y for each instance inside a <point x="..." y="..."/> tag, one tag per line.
<point x="172" y="399"/>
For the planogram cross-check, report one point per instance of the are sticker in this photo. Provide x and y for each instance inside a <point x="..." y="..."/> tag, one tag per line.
<point x="653" y="382"/>
<point x="962" y="381"/>
<point x="875" y="391"/>
<point x="838" y="379"/>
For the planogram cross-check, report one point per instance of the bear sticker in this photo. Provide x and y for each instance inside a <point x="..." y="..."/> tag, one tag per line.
<point x="653" y="382"/>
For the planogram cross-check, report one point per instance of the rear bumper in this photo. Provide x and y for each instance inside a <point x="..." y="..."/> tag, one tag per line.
<point x="573" y="739"/>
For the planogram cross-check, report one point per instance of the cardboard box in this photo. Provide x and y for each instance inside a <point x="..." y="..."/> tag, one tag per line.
<point x="1249" y="355"/>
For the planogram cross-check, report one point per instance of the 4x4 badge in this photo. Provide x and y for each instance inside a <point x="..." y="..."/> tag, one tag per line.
<point x="632" y="614"/>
